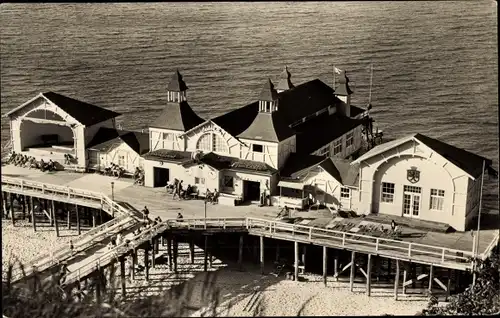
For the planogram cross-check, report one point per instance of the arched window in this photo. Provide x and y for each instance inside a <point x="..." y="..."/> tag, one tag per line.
<point x="204" y="143"/>
<point x="212" y="142"/>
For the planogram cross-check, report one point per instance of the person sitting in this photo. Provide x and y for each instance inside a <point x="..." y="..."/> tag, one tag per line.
<point x="41" y="164"/>
<point x="51" y="165"/>
<point x="33" y="163"/>
<point x="12" y="157"/>
<point x="393" y="225"/>
<point x="179" y="217"/>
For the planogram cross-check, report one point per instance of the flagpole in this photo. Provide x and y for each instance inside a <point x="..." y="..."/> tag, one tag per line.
<point x="476" y="249"/>
<point x="334" y="76"/>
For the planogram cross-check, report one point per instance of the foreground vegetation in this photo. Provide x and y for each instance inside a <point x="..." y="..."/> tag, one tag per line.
<point x="482" y="299"/>
<point x="49" y="300"/>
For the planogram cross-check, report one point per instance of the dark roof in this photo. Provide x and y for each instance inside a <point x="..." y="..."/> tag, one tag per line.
<point x="177" y="84"/>
<point x="312" y="135"/>
<point x="169" y="155"/>
<point x="348" y="173"/>
<point x="343" y="88"/>
<point x="297" y="167"/>
<point x="177" y="116"/>
<point x="465" y="160"/>
<point x="285" y="83"/>
<point x="355" y="111"/>
<point x="106" y="139"/>
<point x="222" y="162"/>
<point x="305" y="99"/>
<point x="298" y="163"/>
<point x="85" y="113"/>
<point x="236" y="121"/>
<point x="268" y="127"/>
<point x="268" y="92"/>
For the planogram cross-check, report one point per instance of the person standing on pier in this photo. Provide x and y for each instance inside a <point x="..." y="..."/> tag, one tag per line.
<point x="145" y="213"/>
<point x="71" y="247"/>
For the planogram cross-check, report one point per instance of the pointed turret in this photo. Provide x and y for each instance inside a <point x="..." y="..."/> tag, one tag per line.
<point x="268" y="98"/>
<point x="268" y="125"/>
<point x="344" y="92"/>
<point x="285" y="83"/>
<point x="177" y="114"/>
<point x="176" y="89"/>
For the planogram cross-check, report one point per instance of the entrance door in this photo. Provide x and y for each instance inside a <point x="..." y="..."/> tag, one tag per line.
<point x="161" y="177"/>
<point x="251" y="190"/>
<point x="411" y="201"/>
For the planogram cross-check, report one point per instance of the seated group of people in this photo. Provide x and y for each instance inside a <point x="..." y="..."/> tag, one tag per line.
<point x="21" y="160"/>
<point x="212" y="197"/>
<point x="139" y="176"/>
<point x="177" y="189"/>
<point x="114" y="170"/>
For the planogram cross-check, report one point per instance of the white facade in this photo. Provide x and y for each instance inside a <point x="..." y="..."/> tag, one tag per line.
<point x="122" y="155"/>
<point x="440" y="192"/>
<point x="39" y="116"/>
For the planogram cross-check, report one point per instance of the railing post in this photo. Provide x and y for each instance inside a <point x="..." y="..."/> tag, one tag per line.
<point x="69" y="193"/>
<point x="293" y="230"/>
<point x="442" y="256"/>
<point x="343" y="240"/>
<point x="22" y="185"/>
<point x="409" y="250"/>
<point x="224" y="224"/>
<point x="376" y="244"/>
<point x="270" y="227"/>
<point x="310" y="233"/>
<point x="43" y="188"/>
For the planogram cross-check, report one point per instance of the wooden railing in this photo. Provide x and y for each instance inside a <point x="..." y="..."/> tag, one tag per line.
<point x="85" y="240"/>
<point x="382" y="246"/>
<point x="364" y="243"/>
<point x="116" y="252"/>
<point x="63" y="193"/>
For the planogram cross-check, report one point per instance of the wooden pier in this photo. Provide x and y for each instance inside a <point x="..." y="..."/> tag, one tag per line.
<point x="364" y="253"/>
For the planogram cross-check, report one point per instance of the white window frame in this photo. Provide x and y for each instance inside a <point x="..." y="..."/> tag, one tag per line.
<point x="349" y="139"/>
<point x="122" y="160"/>
<point x="199" y="180"/>
<point x="337" y="146"/>
<point x="345" y="193"/>
<point x="210" y="144"/>
<point x="324" y="151"/>
<point x="436" y="202"/>
<point x="168" y="136"/>
<point x="385" y="195"/>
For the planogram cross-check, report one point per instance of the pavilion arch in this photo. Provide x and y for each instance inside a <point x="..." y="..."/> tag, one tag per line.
<point x="39" y="124"/>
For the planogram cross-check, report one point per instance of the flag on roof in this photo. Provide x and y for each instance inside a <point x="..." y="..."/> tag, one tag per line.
<point x="338" y="71"/>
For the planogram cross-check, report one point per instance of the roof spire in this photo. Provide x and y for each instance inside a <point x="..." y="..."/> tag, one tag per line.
<point x="343" y="88"/>
<point x="285" y="83"/>
<point x="177" y="84"/>
<point x="268" y="92"/>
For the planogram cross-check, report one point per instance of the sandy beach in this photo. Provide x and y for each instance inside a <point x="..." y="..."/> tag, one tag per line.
<point x="276" y="296"/>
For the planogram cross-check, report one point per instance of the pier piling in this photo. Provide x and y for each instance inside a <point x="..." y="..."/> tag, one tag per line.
<point x="240" y="252"/>
<point x="191" y="250"/>
<point x="11" y="196"/>
<point x="153" y="258"/>
<point x="431" y="278"/>
<point x="55" y="219"/>
<point x="296" y="260"/>
<point x="176" y="252"/>
<point x="33" y="216"/>
<point x="396" y="280"/>
<point x="146" y="263"/>
<point x="78" y="220"/>
<point x="325" y="255"/>
<point x="122" y="274"/>
<point x="353" y="268"/>
<point x="169" y="251"/>
<point x="336" y="266"/>
<point x="369" y="275"/>
<point x="134" y="262"/>
<point x="205" y="252"/>
<point x="262" y="255"/>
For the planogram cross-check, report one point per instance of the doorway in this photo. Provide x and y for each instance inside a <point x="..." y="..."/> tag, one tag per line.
<point x="251" y="190"/>
<point x="161" y="176"/>
<point x="411" y="201"/>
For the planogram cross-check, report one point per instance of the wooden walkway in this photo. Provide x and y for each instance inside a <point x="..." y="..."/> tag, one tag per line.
<point x="127" y="218"/>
